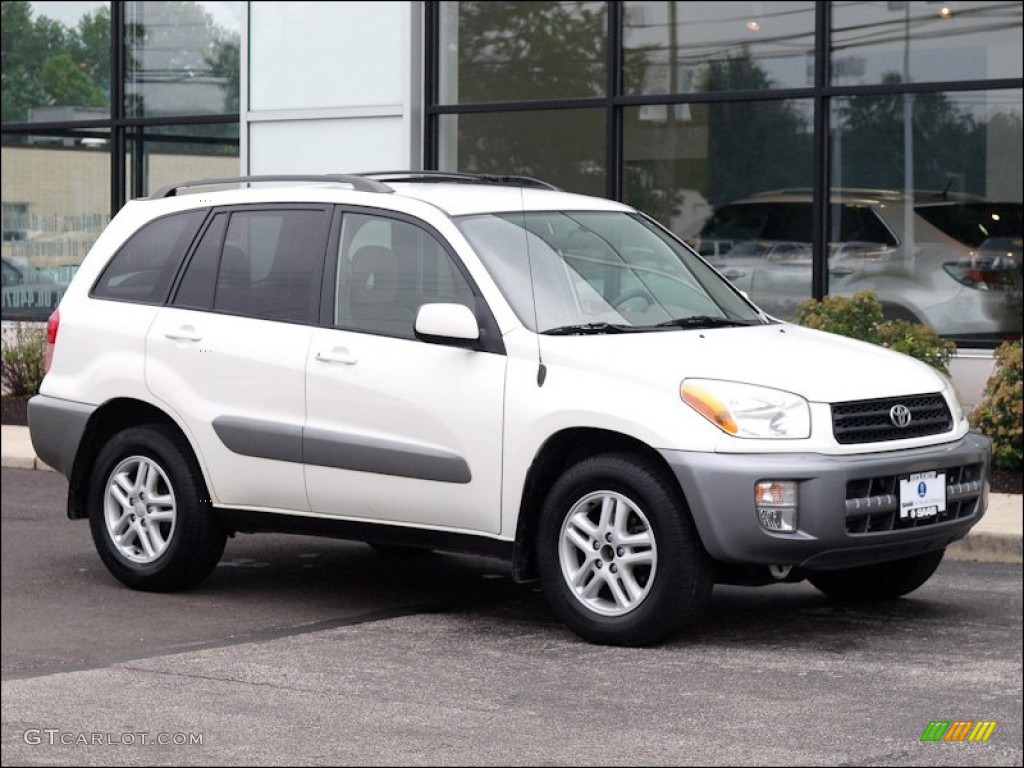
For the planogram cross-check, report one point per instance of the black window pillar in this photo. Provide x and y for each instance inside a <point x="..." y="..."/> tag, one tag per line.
<point x="821" y="163"/>
<point x="117" y="140"/>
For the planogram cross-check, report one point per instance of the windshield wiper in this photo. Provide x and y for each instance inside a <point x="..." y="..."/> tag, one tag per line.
<point x="585" y="329"/>
<point x="701" y="321"/>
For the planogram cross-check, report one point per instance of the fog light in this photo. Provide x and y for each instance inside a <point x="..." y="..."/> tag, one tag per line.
<point x="776" y="504"/>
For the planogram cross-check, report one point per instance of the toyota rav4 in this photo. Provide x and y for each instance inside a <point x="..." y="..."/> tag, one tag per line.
<point x="490" y="365"/>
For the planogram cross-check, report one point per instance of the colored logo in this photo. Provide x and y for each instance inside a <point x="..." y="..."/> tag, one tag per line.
<point x="958" y="730"/>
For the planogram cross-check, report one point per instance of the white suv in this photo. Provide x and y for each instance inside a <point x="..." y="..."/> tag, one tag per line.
<point x="485" y="364"/>
<point x="962" y="275"/>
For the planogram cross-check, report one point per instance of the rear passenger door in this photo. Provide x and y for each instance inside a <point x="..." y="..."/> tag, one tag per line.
<point x="399" y="429"/>
<point x="227" y="355"/>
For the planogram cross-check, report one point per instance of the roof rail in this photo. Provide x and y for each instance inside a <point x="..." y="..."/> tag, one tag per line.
<point x="359" y="183"/>
<point x="460" y="178"/>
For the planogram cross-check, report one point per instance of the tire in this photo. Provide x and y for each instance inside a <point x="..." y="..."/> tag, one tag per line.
<point x="896" y="312"/>
<point x="149" y="511"/>
<point x="874" y="583"/>
<point x="618" y="514"/>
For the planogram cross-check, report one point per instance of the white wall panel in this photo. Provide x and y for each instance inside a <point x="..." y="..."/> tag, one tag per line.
<point x="349" y="145"/>
<point x="310" y="55"/>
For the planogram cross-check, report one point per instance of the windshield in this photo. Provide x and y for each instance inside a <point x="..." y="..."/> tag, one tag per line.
<point x="600" y="271"/>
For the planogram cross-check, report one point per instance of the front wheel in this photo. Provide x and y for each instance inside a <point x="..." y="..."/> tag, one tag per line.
<point x="150" y="513"/>
<point x="618" y="553"/>
<point x="882" y="581"/>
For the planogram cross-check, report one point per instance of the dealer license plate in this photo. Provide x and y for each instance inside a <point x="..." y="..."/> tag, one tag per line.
<point x="922" y="495"/>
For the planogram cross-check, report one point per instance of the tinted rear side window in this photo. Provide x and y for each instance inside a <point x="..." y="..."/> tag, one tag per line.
<point x="263" y="263"/>
<point x="142" y="270"/>
<point x="974" y="223"/>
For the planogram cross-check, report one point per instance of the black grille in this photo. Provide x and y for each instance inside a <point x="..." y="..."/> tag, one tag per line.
<point x="868" y="421"/>
<point x="873" y="503"/>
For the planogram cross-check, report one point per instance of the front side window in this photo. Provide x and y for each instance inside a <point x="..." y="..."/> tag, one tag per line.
<point x="599" y="271"/>
<point x="386" y="270"/>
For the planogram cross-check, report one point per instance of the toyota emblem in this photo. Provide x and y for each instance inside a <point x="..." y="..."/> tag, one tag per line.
<point x="900" y="416"/>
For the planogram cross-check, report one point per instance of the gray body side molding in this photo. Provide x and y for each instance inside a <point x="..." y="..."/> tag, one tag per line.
<point x="327" y="448"/>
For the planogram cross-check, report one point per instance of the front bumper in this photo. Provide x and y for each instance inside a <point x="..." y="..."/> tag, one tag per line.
<point x="833" y="530"/>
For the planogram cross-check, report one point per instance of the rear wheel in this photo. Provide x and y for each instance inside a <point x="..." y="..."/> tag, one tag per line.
<point x="882" y="581"/>
<point x="618" y="554"/>
<point x="149" y="511"/>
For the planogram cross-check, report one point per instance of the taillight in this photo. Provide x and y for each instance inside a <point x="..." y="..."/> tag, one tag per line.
<point x="52" y="325"/>
<point x="981" y="275"/>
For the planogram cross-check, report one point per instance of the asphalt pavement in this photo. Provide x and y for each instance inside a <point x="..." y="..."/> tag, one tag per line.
<point x="995" y="539"/>
<point x="308" y="651"/>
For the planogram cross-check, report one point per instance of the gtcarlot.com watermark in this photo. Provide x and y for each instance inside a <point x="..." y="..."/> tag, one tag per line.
<point x="56" y="737"/>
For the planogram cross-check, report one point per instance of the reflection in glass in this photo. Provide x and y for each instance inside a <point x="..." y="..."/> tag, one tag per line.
<point x="563" y="147"/>
<point x="925" y="41"/>
<point x="955" y="260"/>
<point x="511" y="51"/>
<point x="181" y="59"/>
<point x="680" y="166"/>
<point x="56" y="62"/>
<point x="676" y="47"/>
<point x="681" y="169"/>
<point x="177" y="153"/>
<point x="48" y="227"/>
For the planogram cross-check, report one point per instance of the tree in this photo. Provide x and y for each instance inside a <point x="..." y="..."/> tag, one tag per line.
<point x="533" y="50"/>
<point x="948" y="142"/>
<point x="46" y="63"/>
<point x="721" y="151"/>
<point x="753" y="146"/>
<point x="65" y="83"/>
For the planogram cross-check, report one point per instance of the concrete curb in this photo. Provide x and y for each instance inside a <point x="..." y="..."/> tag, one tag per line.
<point x="983" y="547"/>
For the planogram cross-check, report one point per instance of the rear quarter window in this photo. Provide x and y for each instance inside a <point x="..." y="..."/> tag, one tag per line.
<point x="144" y="267"/>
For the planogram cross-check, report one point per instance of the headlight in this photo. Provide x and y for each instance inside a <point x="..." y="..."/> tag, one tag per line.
<point x="745" y="410"/>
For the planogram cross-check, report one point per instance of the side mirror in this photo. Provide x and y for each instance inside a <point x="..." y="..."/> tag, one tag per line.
<point x="451" y="324"/>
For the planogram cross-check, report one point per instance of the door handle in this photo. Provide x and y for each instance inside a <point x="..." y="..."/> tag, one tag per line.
<point x="732" y="274"/>
<point x="184" y="333"/>
<point x="337" y="355"/>
<point x="840" y="271"/>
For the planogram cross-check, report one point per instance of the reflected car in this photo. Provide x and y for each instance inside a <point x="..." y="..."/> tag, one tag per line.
<point x="29" y="292"/>
<point x="962" y="276"/>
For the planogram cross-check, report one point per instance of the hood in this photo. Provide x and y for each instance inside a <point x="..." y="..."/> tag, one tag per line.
<point x="821" y="367"/>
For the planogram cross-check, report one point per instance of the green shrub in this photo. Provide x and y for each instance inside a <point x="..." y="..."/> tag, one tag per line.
<point x="999" y="413"/>
<point x="860" y="317"/>
<point x="23" y="353"/>
<point x="856" y="317"/>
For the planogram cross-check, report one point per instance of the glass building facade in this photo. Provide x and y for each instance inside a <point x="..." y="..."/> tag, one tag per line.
<point x="805" y="148"/>
<point x="104" y="102"/>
